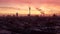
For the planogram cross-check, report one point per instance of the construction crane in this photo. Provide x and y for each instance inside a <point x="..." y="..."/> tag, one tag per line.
<point x="41" y="11"/>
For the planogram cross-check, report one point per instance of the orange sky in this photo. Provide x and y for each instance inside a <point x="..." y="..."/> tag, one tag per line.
<point x="12" y="6"/>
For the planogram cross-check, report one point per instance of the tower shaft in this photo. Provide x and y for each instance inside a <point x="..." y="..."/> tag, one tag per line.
<point x="29" y="11"/>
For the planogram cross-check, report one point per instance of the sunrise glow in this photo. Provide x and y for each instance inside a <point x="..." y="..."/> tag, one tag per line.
<point x="10" y="7"/>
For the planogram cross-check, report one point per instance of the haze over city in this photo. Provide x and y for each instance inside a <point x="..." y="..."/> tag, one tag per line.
<point x="22" y="6"/>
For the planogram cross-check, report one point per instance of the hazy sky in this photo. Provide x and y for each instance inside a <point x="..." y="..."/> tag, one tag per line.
<point x="48" y="6"/>
<point x="33" y="2"/>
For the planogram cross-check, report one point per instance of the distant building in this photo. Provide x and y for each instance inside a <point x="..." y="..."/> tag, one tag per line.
<point x="54" y="15"/>
<point x="16" y="14"/>
<point x="28" y="14"/>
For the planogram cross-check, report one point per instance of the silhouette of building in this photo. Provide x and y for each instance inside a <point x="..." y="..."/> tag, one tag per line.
<point x="54" y="15"/>
<point x="17" y="14"/>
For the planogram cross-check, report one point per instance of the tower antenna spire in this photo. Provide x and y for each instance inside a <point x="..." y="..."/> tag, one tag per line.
<point x="29" y="8"/>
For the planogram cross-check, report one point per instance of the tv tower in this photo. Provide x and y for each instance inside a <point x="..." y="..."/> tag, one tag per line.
<point x="29" y="8"/>
<point x="29" y="11"/>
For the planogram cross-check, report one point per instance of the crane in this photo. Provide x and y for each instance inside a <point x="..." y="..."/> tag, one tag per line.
<point x="41" y="11"/>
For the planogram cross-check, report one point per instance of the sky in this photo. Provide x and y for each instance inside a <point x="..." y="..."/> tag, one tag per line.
<point x="47" y="6"/>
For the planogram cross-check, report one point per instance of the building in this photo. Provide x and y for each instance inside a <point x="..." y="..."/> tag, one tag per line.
<point x="17" y="14"/>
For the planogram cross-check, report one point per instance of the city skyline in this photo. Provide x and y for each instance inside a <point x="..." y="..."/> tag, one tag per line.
<point x="48" y="6"/>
